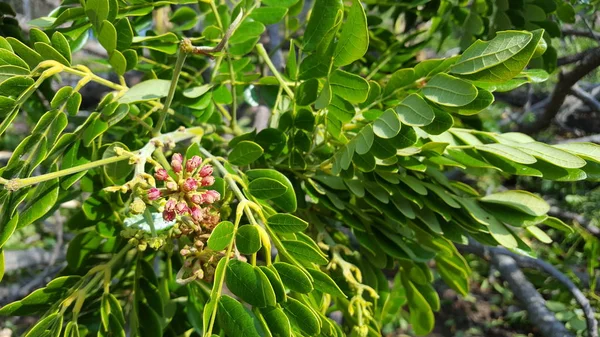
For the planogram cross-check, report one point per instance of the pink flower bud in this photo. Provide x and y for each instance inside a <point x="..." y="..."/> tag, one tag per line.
<point x="193" y="163"/>
<point x="196" y="199"/>
<point x="170" y="205"/>
<point x="182" y="208"/>
<point x="211" y="196"/>
<point x="206" y="171"/>
<point x="153" y="193"/>
<point x="190" y="185"/>
<point x="208" y="181"/>
<point x="172" y="186"/>
<point x="177" y="157"/>
<point x="161" y="174"/>
<point x="168" y="215"/>
<point x="176" y="162"/>
<point x="196" y="213"/>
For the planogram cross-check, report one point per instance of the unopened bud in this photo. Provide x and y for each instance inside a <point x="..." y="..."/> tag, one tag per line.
<point x="211" y="196"/>
<point x="161" y="174"/>
<point x="206" y="171"/>
<point x="208" y="181"/>
<point x="190" y="185"/>
<point x="168" y="215"/>
<point x="182" y="208"/>
<point x="153" y="193"/>
<point x="138" y="206"/>
<point x="172" y="186"/>
<point x="193" y="163"/>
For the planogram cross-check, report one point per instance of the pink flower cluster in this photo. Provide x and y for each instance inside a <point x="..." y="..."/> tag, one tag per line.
<point x="188" y="193"/>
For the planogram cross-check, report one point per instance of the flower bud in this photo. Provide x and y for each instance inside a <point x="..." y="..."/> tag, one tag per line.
<point x="206" y="171"/>
<point x="208" y="181"/>
<point x="172" y="186"/>
<point x="176" y="162"/>
<point x="211" y="196"/>
<point x="190" y="185"/>
<point x="182" y="208"/>
<point x="196" y="199"/>
<point x="193" y="163"/>
<point x="153" y="193"/>
<point x="168" y="215"/>
<point x="170" y="205"/>
<point x="196" y="213"/>
<point x="161" y="174"/>
<point x="137" y="206"/>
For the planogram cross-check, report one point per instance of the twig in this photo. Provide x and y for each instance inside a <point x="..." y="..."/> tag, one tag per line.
<point x="574" y="58"/>
<point x="561" y="90"/>
<point x="586" y="97"/>
<point x="507" y="271"/>
<point x="581" y="33"/>
<point x="555" y="211"/>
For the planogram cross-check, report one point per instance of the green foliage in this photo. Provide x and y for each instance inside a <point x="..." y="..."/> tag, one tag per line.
<point x="347" y="179"/>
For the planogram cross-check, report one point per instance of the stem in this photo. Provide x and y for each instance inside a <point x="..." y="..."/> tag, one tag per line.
<point x="263" y="53"/>
<point x="233" y="122"/>
<point x="181" y="55"/>
<point x="15" y="184"/>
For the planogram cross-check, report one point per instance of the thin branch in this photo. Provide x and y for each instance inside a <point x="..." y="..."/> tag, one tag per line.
<point x="574" y="58"/>
<point x="586" y="97"/>
<point x="561" y="90"/>
<point x="489" y="253"/>
<point x="581" y="33"/>
<point x="570" y="216"/>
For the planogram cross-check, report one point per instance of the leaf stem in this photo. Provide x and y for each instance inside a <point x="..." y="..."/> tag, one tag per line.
<point x="263" y="53"/>
<point x="181" y="55"/>
<point x="17" y="183"/>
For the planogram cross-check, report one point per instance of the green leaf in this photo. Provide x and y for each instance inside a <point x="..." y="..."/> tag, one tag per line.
<point x="15" y="86"/>
<point x="354" y="39"/>
<point x="234" y="319"/>
<point x="304" y="120"/>
<point x="277" y="321"/>
<point x="304" y="252"/>
<point x="97" y="11"/>
<point x="41" y="201"/>
<point x="565" y="12"/>
<point x="247" y="239"/>
<point x="324" y="283"/>
<point x="324" y="16"/>
<point x="195" y="92"/>
<point x="307" y="92"/>
<point x="287" y="202"/>
<point x="364" y="139"/>
<point x="60" y="43"/>
<point x="348" y="86"/>
<point x="248" y="30"/>
<point x="44" y="324"/>
<point x="118" y="62"/>
<point x="421" y="315"/>
<point x="250" y="284"/>
<point x="107" y="36"/>
<point x="30" y="56"/>
<point x="387" y="125"/>
<point x="443" y="122"/>
<point x="266" y="188"/>
<point x="521" y="200"/>
<point x="552" y="155"/>
<point x="280" y="3"/>
<point x="49" y="53"/>
<point x="449" y="91"/>
<point x="10" y="59"/>
<point x="221" y="236"/>
<point x="286" y="223"/>
<point x="1" y="264"/>
<point x="293" y="277"/>
<point x="507" y="152"/>
<point x="275" y="283"/>
<point x="119" y="171"/>
<point x="245" y="153"/>
<point x="486" y="54"/>
<point x="291" y="64"/>
<point x="146" y="91"/>
<point x="498" y="231"/>
<point x="588" y="151"/>
<point x="414" y="111"/>
<point x="341" y="109"/>
<point x="511" y="67"/>
<point x="400" y="79"/>
<point x="268" y="15"/>
<point x="302" y="317"/>
<point x="483" y="100"/>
